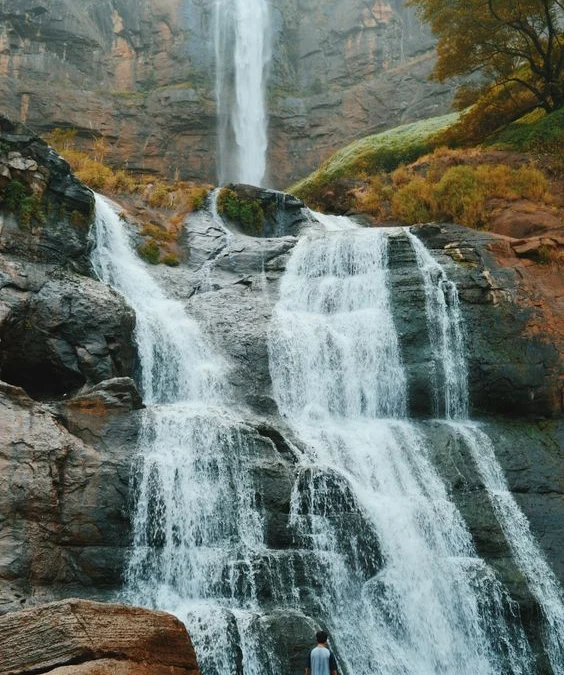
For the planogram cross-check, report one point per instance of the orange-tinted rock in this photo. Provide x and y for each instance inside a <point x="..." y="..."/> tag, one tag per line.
<point x="47" y="638"/>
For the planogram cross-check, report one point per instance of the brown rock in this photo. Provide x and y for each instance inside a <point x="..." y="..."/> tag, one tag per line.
<point x="50" y="637"/>
<point x="64" y="527"/>
<point x="112" y="667"/>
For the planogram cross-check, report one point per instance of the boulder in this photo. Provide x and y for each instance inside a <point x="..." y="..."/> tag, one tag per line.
<point x="73" y="331"/>
<point x="79" y="637"/>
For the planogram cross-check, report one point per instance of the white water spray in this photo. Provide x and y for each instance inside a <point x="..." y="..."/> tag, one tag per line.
<point x="242" y="50"/>
<point x="445" y="327"/>
<point x="403" y="588"/>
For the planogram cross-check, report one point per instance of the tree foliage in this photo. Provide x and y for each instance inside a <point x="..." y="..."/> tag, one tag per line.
<point x="507" y="41"/>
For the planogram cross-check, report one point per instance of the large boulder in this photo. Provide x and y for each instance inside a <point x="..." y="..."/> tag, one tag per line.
<point x="77" y="637"/>
<point x="73" y="331"/>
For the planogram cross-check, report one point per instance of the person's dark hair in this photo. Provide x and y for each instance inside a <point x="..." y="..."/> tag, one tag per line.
<point x="321" y="637"/>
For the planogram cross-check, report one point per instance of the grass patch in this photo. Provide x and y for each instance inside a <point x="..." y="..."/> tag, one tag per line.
<point x="536" y="132"/>
<point x="374" y="154"/>
<point x="176" y="197"/>
<point x="247" y="213"/>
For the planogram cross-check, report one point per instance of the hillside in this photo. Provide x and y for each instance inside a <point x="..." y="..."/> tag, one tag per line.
<point x="511" y="184"/>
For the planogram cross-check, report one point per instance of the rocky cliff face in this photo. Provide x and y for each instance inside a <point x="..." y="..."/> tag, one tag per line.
<point x="61" y="331"/>
<point x="67" y="446"/>
<point x="141" y="74"/>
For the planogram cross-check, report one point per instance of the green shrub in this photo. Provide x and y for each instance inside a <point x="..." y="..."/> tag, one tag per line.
<point x="461" y="195"/>
<point x="171" y="260"/>
<point x="150" y="252"/>
<point x="246" y="212"/>
<point x="30" y="210"/>
<point x="15" y="193"/>
<point x="413" y="202"/>
<point x="26" y="207"/>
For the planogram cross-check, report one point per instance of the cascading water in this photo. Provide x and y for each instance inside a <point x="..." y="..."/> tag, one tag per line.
<point x="445" y="328"/>
<point x="414" y="597"/>
<point x="444" y="322"/>
<point x="242" y="50"/>
<point x="196" y="527"/>
<point x="382" y="557"/>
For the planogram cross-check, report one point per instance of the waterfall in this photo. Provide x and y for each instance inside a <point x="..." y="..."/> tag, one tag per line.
<point x="403" y="590"/>
<point x="197" y="530"/>
<point x="444" y="322"/>
<point x="445" y="327"/>
<point x="380" y="555"/>
<point x="242" y="52"/>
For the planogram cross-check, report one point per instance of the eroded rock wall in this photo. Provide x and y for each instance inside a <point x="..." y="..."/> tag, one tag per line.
<point x="141" y="74"/>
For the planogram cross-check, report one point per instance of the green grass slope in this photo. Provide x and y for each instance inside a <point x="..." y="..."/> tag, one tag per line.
<point x="374" y="154"/>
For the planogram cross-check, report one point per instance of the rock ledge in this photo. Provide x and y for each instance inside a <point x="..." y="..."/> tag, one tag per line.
<point x="77" y="637"/>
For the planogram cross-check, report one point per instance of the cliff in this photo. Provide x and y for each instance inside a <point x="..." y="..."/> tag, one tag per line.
<point x="67" y="443"/>
<point x="141" y="75"/>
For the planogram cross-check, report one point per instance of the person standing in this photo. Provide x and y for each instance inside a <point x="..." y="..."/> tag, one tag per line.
<point x="320" y="660"/>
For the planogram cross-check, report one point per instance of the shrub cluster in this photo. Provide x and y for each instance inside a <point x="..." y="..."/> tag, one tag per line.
<point x="26" y="206"/>
<point x="462" y="193"/>
<point x="248" y="213"/>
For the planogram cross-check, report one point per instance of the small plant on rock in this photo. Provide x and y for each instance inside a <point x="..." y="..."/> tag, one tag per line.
<point x="150" y="252"/>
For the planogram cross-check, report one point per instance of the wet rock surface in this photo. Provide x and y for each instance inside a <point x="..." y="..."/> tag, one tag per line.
<point x="76" y="637"/>
<point x="68" y="464"/>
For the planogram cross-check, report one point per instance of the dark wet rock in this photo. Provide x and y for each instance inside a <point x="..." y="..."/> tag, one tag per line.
<point x="284" y="214"/>
<point x="513" y="321"/>
<point x="73" y="331"/>
<point x="57" y="231"/>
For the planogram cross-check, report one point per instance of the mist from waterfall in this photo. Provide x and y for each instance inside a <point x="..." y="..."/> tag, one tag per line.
<point x="380" y="554"/>
<point x="406" y="591"/>
<point x="242" y="55"/>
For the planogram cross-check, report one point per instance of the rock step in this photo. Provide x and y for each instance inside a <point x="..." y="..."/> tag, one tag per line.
<point x="78" y="636"/>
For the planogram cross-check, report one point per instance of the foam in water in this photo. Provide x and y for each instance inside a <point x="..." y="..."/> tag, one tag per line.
<point x="403" y="588"/>
<point x="242" y="47"/>
<point x="196" y="527"/>
<point x="445" y="328"/>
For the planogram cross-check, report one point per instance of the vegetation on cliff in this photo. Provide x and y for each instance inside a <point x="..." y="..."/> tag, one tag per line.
<point x="244" y="211"/>
<point x="161" y="205"/>
<point x="512" y="182"/>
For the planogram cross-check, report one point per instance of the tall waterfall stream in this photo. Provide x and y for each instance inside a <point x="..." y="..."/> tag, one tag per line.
<point x="385" y="558"/>
<point x="242" y="55"/>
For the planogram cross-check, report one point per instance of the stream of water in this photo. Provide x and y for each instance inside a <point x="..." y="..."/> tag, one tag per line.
<point x="382" y="557"/>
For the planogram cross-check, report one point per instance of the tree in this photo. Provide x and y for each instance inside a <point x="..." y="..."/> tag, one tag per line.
<point x="507" y="41"/>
